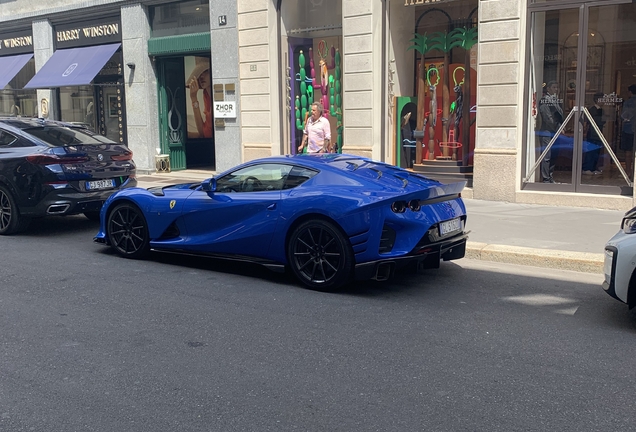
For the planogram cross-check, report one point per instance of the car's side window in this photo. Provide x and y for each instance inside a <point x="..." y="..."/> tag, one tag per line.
<point x="255" y="178"/>
<point x="298" y="176"/>
<point x="6" y="139"/>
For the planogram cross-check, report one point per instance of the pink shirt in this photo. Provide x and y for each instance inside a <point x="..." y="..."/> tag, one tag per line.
<point x="317" y="132"/>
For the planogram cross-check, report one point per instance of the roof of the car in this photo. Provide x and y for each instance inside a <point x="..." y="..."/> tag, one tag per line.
<point x="312" y="160"/>
<point x="29" y="122"/>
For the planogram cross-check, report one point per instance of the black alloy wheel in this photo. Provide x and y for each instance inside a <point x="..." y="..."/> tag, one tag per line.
<point x="127" y="231"/>
<point x="11" y="221"/>
<point x="320" y="255"/>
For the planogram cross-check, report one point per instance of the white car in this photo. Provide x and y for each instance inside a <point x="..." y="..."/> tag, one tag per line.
<point x="620" y="262"/>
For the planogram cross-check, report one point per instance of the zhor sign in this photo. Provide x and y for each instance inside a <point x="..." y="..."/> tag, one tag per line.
<point x="98" y="32"/>
<point x="225" y="109"/>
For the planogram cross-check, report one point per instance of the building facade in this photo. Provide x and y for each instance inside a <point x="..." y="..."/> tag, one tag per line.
<point x="527" y="100"/>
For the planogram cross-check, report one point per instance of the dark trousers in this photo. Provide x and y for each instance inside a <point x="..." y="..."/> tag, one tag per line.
<point x="547" y="164"/>
<point x="590" y="157"/>
<point x="408" y="155"/>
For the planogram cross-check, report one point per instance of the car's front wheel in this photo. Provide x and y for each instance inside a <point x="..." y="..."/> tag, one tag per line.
<point x="11" y="221"/>
<point x="128" y="231"/>
<point x="320" y="255"/>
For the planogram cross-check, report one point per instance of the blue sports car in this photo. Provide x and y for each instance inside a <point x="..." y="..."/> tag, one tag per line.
<point x="328" y="217"/>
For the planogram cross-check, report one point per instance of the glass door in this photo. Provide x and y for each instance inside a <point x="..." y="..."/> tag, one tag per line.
<point x="553" y="113"/>
<point x="580" y="136"/>
<point x="608" y="93"/>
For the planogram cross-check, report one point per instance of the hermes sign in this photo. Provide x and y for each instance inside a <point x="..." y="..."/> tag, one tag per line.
<point x="16" y="43"/>
<point x="98" y="32"/>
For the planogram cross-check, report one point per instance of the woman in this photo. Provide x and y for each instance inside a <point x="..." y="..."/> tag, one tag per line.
<point x="200" y="80"/>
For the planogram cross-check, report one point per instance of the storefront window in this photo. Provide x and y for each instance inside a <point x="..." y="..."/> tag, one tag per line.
<point x="312" y="55"/>
<point x="16" y="101"/>
<point x="435" y="114"/>
<point x="180" y="18"/>
<point x="99" y="107"/>
<point x="581" y="76"/>
<point x="78" y="105"/>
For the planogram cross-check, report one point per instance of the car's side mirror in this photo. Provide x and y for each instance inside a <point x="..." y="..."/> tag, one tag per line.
<point x="209" y="185"/>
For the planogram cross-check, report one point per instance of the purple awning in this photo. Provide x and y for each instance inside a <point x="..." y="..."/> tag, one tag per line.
<point x="73" y="66"/>
<point x="10" y="66"/>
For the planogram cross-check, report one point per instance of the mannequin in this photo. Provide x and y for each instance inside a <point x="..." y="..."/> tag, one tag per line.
<point x="407" y="142"/>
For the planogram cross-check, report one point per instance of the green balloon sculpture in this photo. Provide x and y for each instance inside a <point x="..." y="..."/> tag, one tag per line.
<point x="306" y="95"/>
<point x="338" y="101"/>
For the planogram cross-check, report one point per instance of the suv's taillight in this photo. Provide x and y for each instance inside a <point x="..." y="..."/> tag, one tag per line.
<point x="122" y="157"/>
<point x="51" y="159"/>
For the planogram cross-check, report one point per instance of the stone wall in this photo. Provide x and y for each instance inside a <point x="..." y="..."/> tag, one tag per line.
<point x="362" y="78"/>
<point x="225" y="70"/>
<point x="499" y="96"/>
<point x="142" y="118"/>
<point x="258" y="72"/>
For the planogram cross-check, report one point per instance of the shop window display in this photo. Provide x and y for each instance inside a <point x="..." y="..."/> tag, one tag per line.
<point x="444" y="44"/>
<point x="100" y="106"/>
<point x="312" y="41"/>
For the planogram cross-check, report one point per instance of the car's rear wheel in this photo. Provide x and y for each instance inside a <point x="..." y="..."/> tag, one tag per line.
<point x="320" y="255"/>
<point x="92" y="215"/>
<point x="128" y="231"/>
<point x="11" y="221"/>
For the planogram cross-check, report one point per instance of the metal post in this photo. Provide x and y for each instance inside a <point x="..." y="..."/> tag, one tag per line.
<point x="549" y="146"/>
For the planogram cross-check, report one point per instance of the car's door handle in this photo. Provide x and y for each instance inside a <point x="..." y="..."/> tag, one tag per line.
<point x="271" y="207"/>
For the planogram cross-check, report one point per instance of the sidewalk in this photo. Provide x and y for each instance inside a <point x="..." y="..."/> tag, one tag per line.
<point x="569" y="238"/>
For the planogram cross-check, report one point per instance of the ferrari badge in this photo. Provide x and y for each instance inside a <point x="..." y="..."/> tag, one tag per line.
<point x="172" y="203"/>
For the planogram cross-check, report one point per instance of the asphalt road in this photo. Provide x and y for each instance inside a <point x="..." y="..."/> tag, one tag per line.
<point x="93" y="342"/>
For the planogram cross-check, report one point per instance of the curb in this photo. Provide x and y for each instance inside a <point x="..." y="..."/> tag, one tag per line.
<point x="556" y="259"/>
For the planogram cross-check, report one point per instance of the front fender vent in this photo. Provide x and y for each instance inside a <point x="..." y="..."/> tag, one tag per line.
<point x="171" y="232"/>
<point x="387" y="241"/>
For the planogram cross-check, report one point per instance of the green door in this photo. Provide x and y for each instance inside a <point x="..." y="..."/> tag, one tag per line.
<point x="172" y="111"/>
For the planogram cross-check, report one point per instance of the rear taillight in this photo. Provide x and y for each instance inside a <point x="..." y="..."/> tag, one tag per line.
<point x="57" y="184"/>
<point x="51" y="159"/>
<point x="122" y="157"/>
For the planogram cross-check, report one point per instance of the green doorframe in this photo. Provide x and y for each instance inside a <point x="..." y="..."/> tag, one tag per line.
<point x="169" y="52"/>
<point x="172" y="110"/>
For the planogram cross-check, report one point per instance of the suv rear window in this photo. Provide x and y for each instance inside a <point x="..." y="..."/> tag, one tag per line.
<point x="60" y="136"/>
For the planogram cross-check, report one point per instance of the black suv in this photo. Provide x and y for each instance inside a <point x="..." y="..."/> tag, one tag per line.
<point x="55" y="168"/>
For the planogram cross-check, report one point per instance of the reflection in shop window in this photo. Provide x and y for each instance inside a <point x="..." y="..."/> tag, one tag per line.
<point x="594" y="146"/>
<point x="14" y="101"/>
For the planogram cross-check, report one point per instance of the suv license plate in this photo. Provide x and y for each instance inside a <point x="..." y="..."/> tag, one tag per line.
<point x="450" y="226"/>
<point x="100" y="184"/>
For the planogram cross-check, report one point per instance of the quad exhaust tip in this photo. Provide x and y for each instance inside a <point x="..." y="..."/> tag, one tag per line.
<point x="57" y="209"/>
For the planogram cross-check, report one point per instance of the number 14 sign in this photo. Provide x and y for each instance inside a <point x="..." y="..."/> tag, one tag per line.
<point x="225" y="109"/>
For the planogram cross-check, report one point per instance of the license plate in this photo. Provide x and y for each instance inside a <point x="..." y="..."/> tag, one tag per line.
<point x="450" y="226"/>
<point x="607" y="266"/>
<point x="100" y="184"/>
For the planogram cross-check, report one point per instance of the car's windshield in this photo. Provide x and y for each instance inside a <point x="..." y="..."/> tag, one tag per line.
<point x="60" y="136"/>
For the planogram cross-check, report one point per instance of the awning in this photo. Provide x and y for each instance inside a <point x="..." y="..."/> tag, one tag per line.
<point x="10" y="66"/>
<point x="73" y="66"/>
